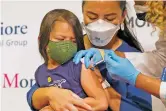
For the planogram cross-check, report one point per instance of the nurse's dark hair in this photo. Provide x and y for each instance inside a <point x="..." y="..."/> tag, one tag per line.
<point x="47" y="24"/>
<point x="124" y="34"/>
<point x="122" y="4"/>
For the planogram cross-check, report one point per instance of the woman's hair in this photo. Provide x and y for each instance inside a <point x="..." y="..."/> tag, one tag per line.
<point x="47" y="24"/>
<point x="125" y="34"/>
<point x="122" y="4"/>
<point x="157" y="14"/>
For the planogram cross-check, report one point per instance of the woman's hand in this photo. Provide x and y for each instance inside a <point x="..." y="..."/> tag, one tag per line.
<point x="120" y="68"/>
<point x="65" y="100"/>
<point x="47" y="108"/>
<point x="88" y="54"/>
<point x="120" y="54"/>
<point x="94" y="54"/>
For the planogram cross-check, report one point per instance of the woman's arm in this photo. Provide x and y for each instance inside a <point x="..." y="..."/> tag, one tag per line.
<point x="40" y="98"/>
<point x="30" y="93"/>
<point x="58" y="99"/>
<point x="91" y="85"/>
<point x="148" y="84"/>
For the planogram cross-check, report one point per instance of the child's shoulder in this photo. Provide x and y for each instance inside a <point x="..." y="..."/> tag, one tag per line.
<point x="42" y="68"/>
<point x="70" y="64"/>
<point x="74" y="70"/>
<point x="67" y="67"/>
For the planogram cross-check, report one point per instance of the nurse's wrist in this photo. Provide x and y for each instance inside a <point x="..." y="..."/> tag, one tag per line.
<point x="134" y="78"/>
<point x="137" y="78"/>
<point x="121" y="54"/>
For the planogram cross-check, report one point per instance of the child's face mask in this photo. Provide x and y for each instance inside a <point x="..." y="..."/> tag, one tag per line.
<point x="61" y="51"/>
<point x="100" y="32"/>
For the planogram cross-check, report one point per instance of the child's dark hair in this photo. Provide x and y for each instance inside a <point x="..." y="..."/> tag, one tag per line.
<point x="46" y="26"/>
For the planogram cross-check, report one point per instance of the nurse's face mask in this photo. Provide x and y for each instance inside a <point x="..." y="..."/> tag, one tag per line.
<point x="101" y="32"/>
<point x="61" y="51"/>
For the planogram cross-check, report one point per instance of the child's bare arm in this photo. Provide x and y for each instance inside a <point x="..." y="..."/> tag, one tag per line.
<point x="113" y="97"/>
<point x="91" y="85"/>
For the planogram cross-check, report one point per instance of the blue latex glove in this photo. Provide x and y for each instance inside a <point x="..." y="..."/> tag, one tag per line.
<point x="120" y="67"/>
<point x="89" y="54"/>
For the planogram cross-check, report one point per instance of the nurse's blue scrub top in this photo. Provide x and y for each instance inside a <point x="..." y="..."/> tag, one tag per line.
<point x="133" y="99"/>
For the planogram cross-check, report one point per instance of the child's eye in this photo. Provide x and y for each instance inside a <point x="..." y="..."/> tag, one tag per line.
<point x="74" y="40"/>
<point x="60" y="39"/>
<point x="56" y="40"/>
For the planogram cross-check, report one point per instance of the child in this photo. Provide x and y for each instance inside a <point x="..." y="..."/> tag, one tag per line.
<point x="60" y="38"/>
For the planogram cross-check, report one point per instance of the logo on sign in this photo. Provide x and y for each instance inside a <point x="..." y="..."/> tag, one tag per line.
<point x="13" y="31"/>
<point x="16" y="81"/>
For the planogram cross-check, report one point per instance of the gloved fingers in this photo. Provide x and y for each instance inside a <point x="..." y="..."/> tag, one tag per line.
<point x="114" y="56"/>
<point x="96" y="58"/>
<point x="109" y="60"/>
<point x="79" y="55"/>
<point x="75" y="57"/>
<point x="107" y="51"/>
<point x="88" y="57"/>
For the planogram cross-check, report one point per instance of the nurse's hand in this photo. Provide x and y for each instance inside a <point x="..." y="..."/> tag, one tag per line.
<point x="92" y="54"/>
<point x="66" y="100"/>
<point x="120" y="67"/>
<point x="89" y="54"/>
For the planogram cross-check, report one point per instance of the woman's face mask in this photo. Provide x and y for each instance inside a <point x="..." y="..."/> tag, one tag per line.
<point x="61" y="51"/>
<point x="100" y="32"/>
